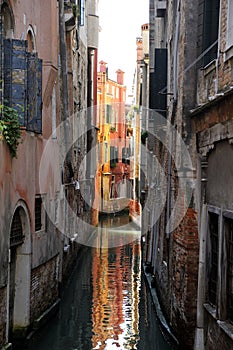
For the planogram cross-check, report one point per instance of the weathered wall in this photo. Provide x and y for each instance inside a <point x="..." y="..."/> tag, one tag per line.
<point x="44" y="287"/>
<point x="3" y="303"/>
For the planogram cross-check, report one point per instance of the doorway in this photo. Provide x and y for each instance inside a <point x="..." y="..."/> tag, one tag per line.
<point x="19" y="273"/>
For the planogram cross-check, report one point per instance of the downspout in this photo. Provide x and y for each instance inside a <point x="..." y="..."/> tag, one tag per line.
<point x="64" y="86"/>
<point x="219" y="49"/>
<point x="199" y="332"/>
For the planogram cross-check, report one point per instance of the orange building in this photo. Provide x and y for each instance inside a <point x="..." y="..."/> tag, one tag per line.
<point x="113" y="141"/>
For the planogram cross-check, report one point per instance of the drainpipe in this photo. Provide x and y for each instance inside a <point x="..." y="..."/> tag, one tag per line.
<point x="219" y="49"/>
<point x="199" y="332"/>
<point x="64" y="86"/>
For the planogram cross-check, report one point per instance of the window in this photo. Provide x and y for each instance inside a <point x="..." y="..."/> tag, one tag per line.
<point x="16" y="236"/>
<point x="229" y="233"/>
<point x="81" y="12"/>
<point x="39" y="214"/>
<point x="7" y="19"/>
<point x="108" y="114"/>
<point x="230" y="24"/>
<point x="213" y="236"/>
<point x="24" y="93"/>
<point x="31" y="40"/>
<point x="210" y="29"/>
<point x="105" y="152"/>
<point x="113" y="156"/>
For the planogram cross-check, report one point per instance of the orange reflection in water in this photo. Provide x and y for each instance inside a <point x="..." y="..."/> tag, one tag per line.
<point x="116" y="285"/>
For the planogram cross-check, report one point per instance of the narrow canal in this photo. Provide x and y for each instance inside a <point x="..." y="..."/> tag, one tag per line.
<point x="105" y="305"/>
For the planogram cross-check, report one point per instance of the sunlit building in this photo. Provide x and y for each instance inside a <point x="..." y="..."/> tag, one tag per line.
<point x="113" y="140"/>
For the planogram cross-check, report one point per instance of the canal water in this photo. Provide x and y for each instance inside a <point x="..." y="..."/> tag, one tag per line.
<point x="105" y="304"/>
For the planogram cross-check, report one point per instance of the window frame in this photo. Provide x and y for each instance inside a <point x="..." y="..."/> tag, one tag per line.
<point x="42" y="214"/>
<point x="211" y="212"/>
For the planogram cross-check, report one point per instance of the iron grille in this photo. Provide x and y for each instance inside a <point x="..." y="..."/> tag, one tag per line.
<point x="16" y="236"/>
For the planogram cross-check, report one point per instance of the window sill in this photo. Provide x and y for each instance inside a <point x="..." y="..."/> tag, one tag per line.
<point x="209" y="67"/>
<point x="228" y="54"/>
<point x="226" y="326"/>
<point x="211" y="310"/>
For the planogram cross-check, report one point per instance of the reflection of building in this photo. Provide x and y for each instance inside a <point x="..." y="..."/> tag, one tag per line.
<point x="116" y="284"/>
<point x="114" y="146"/>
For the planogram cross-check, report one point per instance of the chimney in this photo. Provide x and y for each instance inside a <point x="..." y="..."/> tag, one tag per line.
<point x="145" y="39"/>
<point x="120" y="77"/>
<point x="139" y="49"/>
<point x="103" y="67"/>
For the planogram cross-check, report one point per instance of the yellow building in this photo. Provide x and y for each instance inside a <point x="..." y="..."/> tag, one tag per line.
<point x="113" y="142"/>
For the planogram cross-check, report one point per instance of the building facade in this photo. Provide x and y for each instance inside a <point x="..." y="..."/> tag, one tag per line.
<point x="113" y="141"/>
<point x="188" y="235"/>
<point x="47" y="69"/>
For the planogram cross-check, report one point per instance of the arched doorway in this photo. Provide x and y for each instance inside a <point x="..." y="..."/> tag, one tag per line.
<point x="19" y="272"/>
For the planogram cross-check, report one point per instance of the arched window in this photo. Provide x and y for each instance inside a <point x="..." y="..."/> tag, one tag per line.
<point x="7" y="20"/>
<point x="31" y="40"/>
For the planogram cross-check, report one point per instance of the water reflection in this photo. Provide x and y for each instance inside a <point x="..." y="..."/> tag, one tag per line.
<point x="114" y="231"/>
<point x="116" y="285"/>
<point x="105" y="305"/>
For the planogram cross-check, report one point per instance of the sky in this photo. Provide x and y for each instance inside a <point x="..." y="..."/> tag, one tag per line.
<point x="120" y="23"/>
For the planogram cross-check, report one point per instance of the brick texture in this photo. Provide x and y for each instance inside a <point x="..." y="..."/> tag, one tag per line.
<point x="44" y="287"/>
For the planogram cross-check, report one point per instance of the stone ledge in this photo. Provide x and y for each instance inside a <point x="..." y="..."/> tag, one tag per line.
<point x="39" y="322"/>
<point x="226" y="327"/>
<point x="7" y="347"/>
<point x="160" y="316"/>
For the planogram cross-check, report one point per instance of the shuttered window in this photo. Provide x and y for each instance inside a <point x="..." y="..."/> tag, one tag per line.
<point x="15" y="76"/>
<point x="38" y="213"/>
<point x="34" y="93"/>
<point x="23" y="83"/>
<point x="210" y="29"/>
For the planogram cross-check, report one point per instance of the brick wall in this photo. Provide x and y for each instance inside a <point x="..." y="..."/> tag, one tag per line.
<point x="3" y="303"/>
<point x="177" y="281"/>
<point x="185" y="275"/>
<point x="44" y="287"/>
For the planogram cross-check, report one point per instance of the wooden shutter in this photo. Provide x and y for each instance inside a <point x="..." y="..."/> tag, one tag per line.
<point x="34" y="93"/>
<point x="15" y="76"/>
